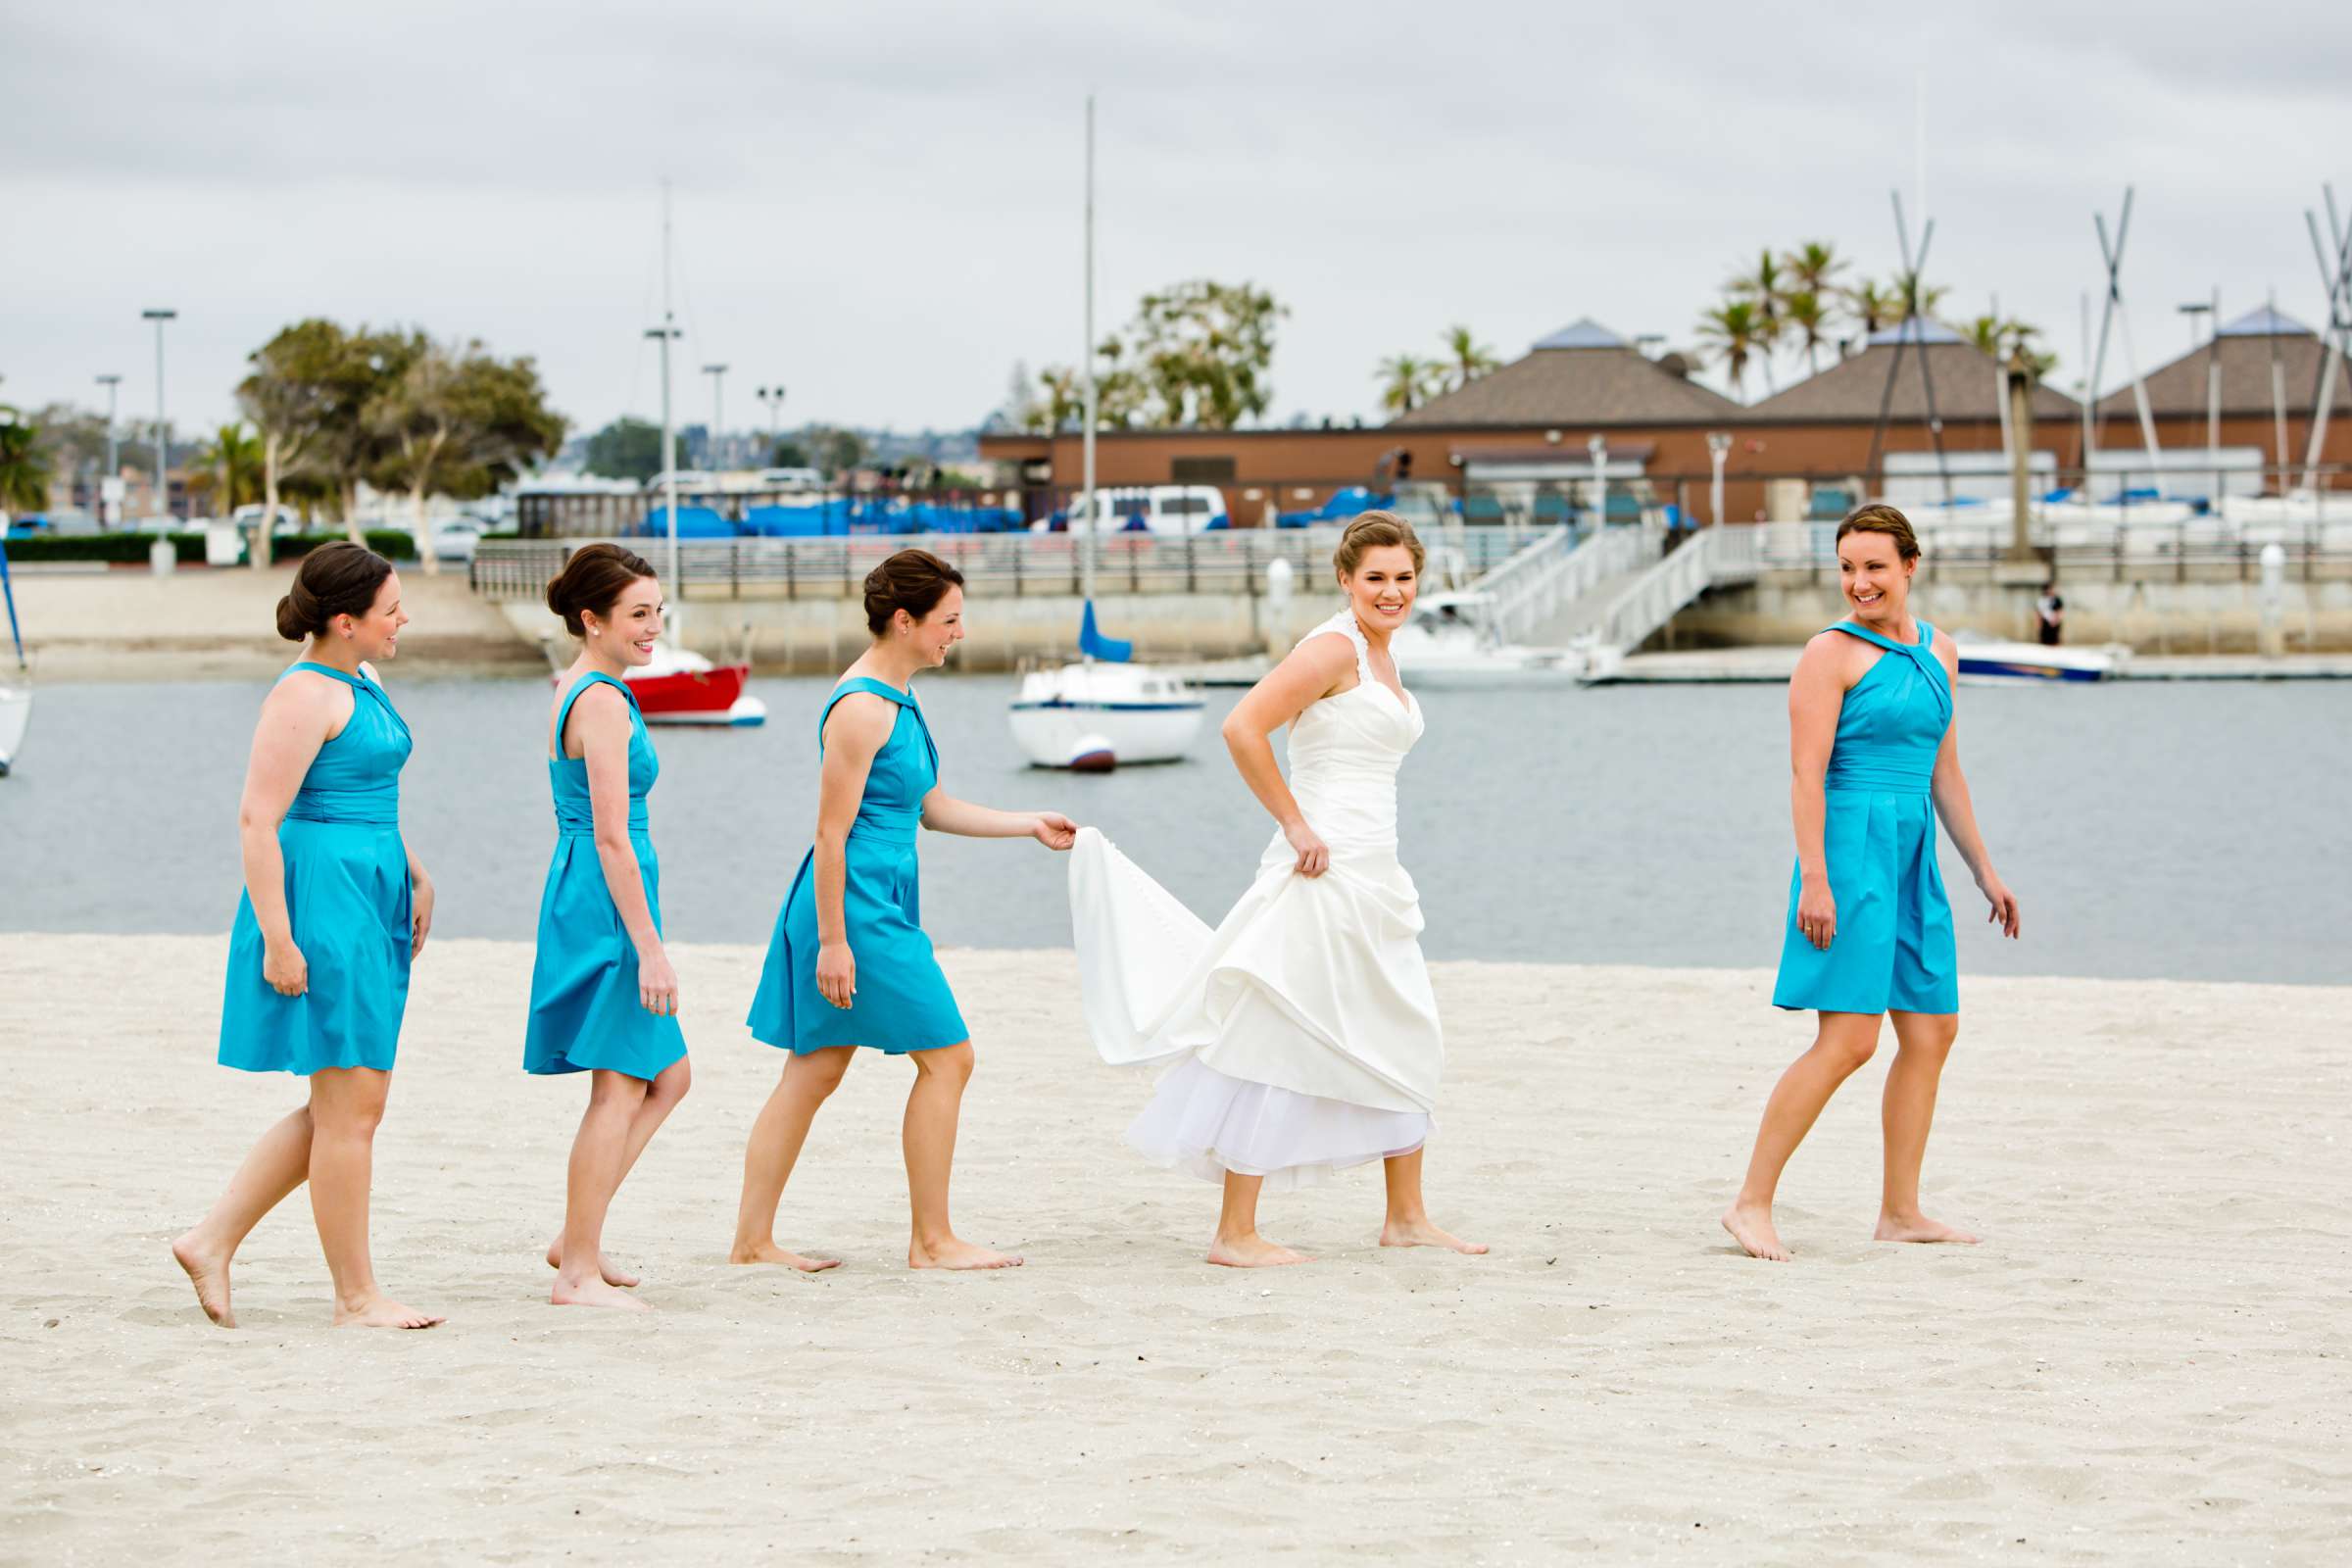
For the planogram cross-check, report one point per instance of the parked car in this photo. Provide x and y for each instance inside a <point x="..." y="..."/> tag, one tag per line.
<point x="1162" y="509"/>
<point x="455" y="539"/>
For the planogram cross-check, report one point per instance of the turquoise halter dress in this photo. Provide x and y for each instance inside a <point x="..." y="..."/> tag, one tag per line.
<point x="903" y="1002"/>
<point x="347" y="903"/>
<point x="585" y="1010"/>
<point x="1893" y="946"/>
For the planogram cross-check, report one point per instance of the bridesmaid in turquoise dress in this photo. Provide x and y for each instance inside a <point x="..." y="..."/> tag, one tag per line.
<point x="849" y="964"/>
<point x="1875" y="761"/>
<point x="335" y="907"/>
<point x="603" y="996"/>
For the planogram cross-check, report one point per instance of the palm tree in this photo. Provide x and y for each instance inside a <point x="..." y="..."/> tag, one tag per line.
<point x="1872" y="305"/>
<point x="1406" y="381"/>
<point x="1768" y="290"/>
<point x="1734" y="331"/>
<point x="1808" y="315"/>
<point x="236" y="459"/>
<point x="1471" y="359"/>
<point x="1915" y="297"/>
<point x="23" y="465"/>
<point x="1813" y="269"/>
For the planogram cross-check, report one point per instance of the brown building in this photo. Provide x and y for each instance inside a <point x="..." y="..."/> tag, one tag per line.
<point x="1538" y="415"/>
<point x="2272" y="367"/>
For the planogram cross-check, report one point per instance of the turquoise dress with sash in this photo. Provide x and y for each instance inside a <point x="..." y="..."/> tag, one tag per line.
<point x="346" y="904"/>
<point x="585" y="1009"/>
<point x="903" y="1002"/>
<point x="1894" y="946"/>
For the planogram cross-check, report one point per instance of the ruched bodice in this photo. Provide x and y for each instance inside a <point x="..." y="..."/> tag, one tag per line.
<point x="1344" y="750"/>
<point x="567" y="776"/>
<point x="1894" y="718"/>
<point x="355" y="777"/>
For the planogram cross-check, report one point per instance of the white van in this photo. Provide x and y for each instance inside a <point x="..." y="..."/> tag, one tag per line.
<point x="1166" y="508"/>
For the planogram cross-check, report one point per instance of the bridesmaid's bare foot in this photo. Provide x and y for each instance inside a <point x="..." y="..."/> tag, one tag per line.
<point x="1251" y="1252"/>
<point x="209" y="1272"/>
<point x="951" y="1252"/>
<point x="380" y="1312"/>
<point x="1919" y="1228"/>
<point x="1421" y="1233"/>
<point x="770" y="1252"/>
<point x="594" y="1292"/>
<point x="613" y="1272"/>
<point x="1751" y="1227"/>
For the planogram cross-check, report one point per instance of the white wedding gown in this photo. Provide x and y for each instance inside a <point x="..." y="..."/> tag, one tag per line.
<point x="1301" y="1035"/>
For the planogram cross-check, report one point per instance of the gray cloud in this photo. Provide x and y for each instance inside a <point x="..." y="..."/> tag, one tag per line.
<point x="878" y="204"/>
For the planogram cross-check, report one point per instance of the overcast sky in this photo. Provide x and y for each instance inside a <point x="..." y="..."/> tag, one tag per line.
<point x="878" y="204"/>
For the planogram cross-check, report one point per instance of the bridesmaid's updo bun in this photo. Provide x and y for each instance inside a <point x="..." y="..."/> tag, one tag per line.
<point x="1877" y="516"/>
<point x="912" y="580"/>
<point x="337" y="579"/>
<point x="1369" y="532"/>
<point x="593" y="580"/>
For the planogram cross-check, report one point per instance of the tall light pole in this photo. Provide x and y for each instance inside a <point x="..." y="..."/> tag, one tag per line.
<point x="1719" y="447"/>
<point x="772" y="399"/>
<point x="666" y="333"/>
<point x="162" y="480"/>
<point x="112" y="482"/>
<point x="718" y="381"/>
<point x="1598" y="448"/>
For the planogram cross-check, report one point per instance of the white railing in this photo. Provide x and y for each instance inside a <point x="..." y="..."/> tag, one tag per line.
<point x="1712" y="555"/>
<point x="1534" y="585"/>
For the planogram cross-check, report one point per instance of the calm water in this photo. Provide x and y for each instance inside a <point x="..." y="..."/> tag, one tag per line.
<point x="2150" y="829"/>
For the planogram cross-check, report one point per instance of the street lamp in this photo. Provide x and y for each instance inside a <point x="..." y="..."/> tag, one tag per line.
<point x="162" y="480"/>
<point x="718" y="380"/>
<point x="1719" y="447"/>
<point x="109" y="488"/>
<point x="667" y="332"/>
<point x="772" y="398"/>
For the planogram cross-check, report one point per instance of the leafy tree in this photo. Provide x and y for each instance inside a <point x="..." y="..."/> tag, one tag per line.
<point x="626" y="449"/>
<point x="1915" y="297"/>
<point x="1471" y="359"/>
<point x="23" y="464"/>
<point x="1872" y="306"/>
<point x="235" y="460"/>
<point x="1735" y="331"/>
<point x="789" y="454"/>
<point x="1766" y="288"/>
<point x="1813" y="269"/>
<point x="1203" y="347"/>
<point x="1808" y="318"/>
<point x="306" y="383"/>
<point x="1406" y="381"/>
<point x="458" y="421"/>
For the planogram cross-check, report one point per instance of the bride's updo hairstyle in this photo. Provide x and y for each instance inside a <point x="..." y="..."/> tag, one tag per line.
<point x="1369" y="532"/>
<point x="337" y="579"/>
<point x="912" y="580"/>
<point x="593" y="580"/>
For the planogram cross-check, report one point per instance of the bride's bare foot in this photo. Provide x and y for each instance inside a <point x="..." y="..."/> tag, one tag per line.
<point x="953" y="1253"/>
<point x="380" y="1312"/>
<point x="594" y="1292"/>
<point x="613" y="1272"/>
<point x="1421" y="1233"/>
<point x="1251" y="1252"/>
<point x="770" y="1252"/>
<point x="1919" y="1228"/>
<point x="208" y="1273"/>
<point x="1751" y="1227"/>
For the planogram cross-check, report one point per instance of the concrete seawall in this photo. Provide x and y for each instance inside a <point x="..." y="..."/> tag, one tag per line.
<point x="2153" y="616"/>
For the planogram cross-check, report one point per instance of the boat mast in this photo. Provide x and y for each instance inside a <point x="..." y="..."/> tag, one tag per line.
<point x="1085" y="377"/>
<point x="669" y="438"/>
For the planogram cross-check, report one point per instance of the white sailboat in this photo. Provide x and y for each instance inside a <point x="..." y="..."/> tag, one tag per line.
<point x="1100" y="710"/>
<point x="16" y="687"/>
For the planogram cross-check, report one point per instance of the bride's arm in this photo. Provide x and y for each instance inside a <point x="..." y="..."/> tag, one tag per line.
<point x="1313" y="670"/>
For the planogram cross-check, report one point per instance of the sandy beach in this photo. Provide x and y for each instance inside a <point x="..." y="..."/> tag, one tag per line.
<point x="2147" y="1363"/>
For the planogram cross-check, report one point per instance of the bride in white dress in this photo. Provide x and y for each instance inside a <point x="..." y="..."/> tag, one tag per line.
<point x="1301" y="1035"/>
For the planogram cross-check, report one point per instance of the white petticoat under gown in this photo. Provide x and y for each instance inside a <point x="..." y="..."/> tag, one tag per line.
<point x="1301" y="1035"/>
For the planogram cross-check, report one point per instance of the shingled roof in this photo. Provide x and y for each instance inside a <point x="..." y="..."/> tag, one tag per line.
<point x="1966" y="377"/>
<point x="1582" y="375"/>
<point x="2179" y="387"/>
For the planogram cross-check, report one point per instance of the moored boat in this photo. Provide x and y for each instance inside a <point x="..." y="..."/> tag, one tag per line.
<point x="1989" y="661"/>
<point x="1103" y="710"/>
